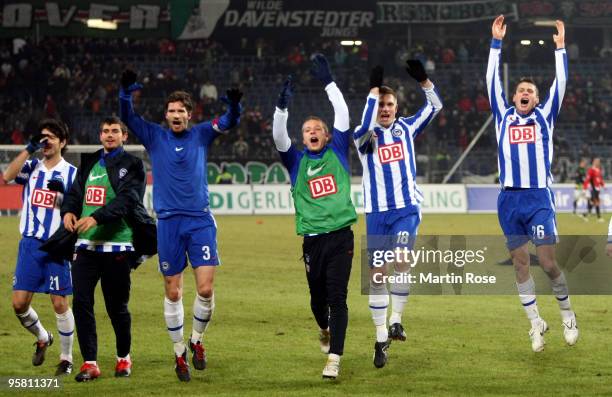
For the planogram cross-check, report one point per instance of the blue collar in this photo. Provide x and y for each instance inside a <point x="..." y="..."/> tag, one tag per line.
<point x="317" y="155"/>
<point x="114" y="153"/>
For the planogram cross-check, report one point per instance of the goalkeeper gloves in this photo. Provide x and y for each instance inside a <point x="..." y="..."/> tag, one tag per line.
<point x="416" y="70"/>
<point x="233" y="95"/>
<point x="56" y="184"/>
<point x="376" y="76"/>
<point x="320" y="69"/>
<point x="128" y="82"/>
<point x="286" y="93"/>
<point x="36" y="143"/>
<point x="232" y="99"/>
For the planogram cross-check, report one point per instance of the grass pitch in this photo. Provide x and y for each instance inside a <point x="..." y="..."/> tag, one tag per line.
<point x="263" y="338"/>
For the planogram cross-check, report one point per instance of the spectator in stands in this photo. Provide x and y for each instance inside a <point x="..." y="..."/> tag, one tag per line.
<point x="240" y="148"/>
<point x="448" y="55"/>
<point x="295" y="57"/>
<point x="225" y="177"/>
<point x="482" y="103"/>
<point x="463" y="54"/>
<point x="430" y="65"/>
<point x="17" y="135"/>
<point x="208" y="90"/>
<point x="340" y="55"/>
<point x="7" y="69"/>
<point x="465" y="103"/>
<point x="573" y="51"/>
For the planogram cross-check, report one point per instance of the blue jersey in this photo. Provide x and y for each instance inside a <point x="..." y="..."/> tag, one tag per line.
<point x="387" y="155"/>
<point x="180" y="184"/>
<point x="525" y="142"/>
<point x="40" y="214"/>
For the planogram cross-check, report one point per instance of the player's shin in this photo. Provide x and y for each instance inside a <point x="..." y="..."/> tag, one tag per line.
<point x="65" y="327"/>
<point x="527" y="296"/>
<point x="560" y="290"/>
<point x="379" y="301"/>
<point x="202" y="313"/>
<point x="399" y="289"/>
<point x="30" y="321"/>
<point x="174" y="315"/>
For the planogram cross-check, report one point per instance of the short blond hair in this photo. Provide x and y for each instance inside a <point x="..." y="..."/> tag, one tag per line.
<point x="325" y="128"/>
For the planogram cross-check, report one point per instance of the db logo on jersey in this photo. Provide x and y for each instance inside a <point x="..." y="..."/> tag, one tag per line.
<point x="390" y="153"/>
<point x="95" y="195"/>
<point x="322" y="186"/>
<point x="43" y="198"/>
<point x="522" y="134"/>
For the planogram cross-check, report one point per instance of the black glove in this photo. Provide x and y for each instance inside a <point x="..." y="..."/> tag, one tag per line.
<point x="128" y="81"/>
<point x="233" y="96"/>
<point x="376" y="76"/>
<point x="56" y="185"/>
<point x="320" y="69"/>
<point x="36" y="143"/>
<point x="415" y="69"/>
<point x="286" y="93"/>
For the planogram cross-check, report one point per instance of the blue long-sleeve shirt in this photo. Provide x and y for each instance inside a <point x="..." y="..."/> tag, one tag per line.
<point x="180" y="184"/>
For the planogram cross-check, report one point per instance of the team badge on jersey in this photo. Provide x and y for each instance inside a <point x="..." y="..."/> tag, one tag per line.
<point x="95" y="195"/>
<point x="391" y="152"/>
<point x="43" y="198"/>
<point x="323" y="186"/>
<point x="522" y="133"/>
<point x="397" y="132"/>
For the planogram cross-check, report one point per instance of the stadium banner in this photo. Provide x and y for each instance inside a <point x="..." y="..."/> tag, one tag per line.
<point x="277" y="200"/>
<point x="483" y="198"/>
<point x="270" y="18"/>
<point x="133" y="18"/>
<point x="478" y="264"/>
<point x="399" y="12"/>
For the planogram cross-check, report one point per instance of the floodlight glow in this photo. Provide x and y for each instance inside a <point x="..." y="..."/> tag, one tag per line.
<point x="549" y="22"/>
<point x="101" y="24"/>
<point x="526" y="42"/>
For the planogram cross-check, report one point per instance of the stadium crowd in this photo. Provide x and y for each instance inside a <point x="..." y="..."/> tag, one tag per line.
<point x="75" y="79"/>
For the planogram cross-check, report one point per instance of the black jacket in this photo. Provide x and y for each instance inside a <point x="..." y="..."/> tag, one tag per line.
<point x="128" y="178"/>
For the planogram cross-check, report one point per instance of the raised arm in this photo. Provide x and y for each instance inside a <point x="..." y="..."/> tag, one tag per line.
<point x="363" y="132"/>
<point x="144" y="130"/>
<point x="495" y="89"/>
<point x="433" y="102"/>
<point x="552" y="104"/>
<point x="221" y="125"/>
<point x="231" y="117"/>
<point x="279" y="125"/>
<point x="341" y="111"/>
<point x="289" y="155"/>
<point x="321" y="70"/>
<point x="17" y="169"/>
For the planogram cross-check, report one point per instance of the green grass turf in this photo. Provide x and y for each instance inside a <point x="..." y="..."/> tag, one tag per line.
<point x="263" y="338"/>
